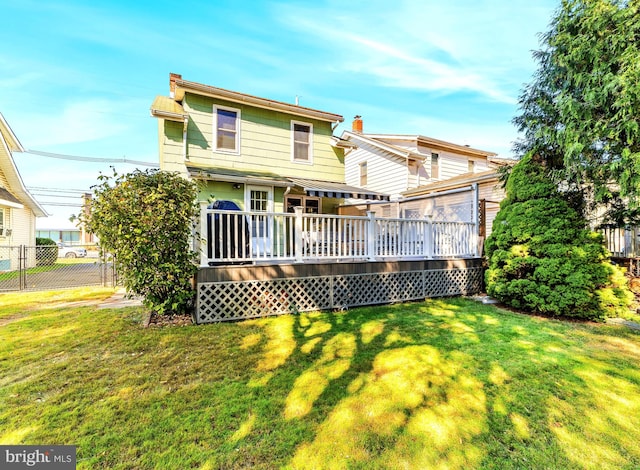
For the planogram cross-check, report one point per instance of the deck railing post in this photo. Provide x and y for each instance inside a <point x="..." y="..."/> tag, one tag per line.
<point x="371" y="236"/>
<point x="428" y="238"/>
<point x="298" y="245"/>
<point x="201" y="235"/>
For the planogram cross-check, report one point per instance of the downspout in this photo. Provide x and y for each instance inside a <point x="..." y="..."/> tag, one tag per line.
<point x="408" y="173"/>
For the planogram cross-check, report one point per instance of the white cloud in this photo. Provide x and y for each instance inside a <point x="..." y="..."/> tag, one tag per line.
<point x="82" y="121"/>
<point x="481" y="46"/>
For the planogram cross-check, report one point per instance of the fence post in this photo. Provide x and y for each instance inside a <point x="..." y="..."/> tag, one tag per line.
<point x="298" y="245"/>
<point x="371" y="236"/>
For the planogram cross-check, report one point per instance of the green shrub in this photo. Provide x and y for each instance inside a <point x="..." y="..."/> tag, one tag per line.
<point x="543" y="259"/>
<point x="46" y="252"/>
<point x="145" y="220"/>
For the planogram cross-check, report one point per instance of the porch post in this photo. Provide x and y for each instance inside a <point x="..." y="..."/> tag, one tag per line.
<point x="201" y="235"/>
<point x="298" y="245"/>
<point x="371" y="236"/>
<point x="428" y="237"/>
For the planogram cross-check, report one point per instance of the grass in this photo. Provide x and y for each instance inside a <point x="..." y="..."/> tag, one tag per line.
<point x="441" y="384"/>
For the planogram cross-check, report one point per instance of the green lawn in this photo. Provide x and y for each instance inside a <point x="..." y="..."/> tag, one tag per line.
<point x="441" y="384"/>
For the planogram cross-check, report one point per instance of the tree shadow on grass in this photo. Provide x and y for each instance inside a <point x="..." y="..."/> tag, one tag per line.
<point x="444" y="383"/>
<point x="437" y="384"/>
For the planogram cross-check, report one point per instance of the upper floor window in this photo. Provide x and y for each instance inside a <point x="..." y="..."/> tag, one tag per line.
<point x="363" y="174"/>
<point x="435" y="165"/>
<point x="472" y="166"/>
<point x="301" y="144"/>
<point x="227" y="129"/>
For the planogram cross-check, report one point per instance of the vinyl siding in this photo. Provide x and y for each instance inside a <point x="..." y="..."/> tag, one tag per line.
<point x="23" y="224"/>
<point x="491" y="191"/>
<point x="265" y="142"/>
<point x="172" y="147"/>
<point x="21" y="221"/>
<point x="385" y="173"/>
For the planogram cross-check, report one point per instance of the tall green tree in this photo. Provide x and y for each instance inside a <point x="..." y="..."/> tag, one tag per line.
<point x="581" y="112"/>
<point x="145" y="220"/>
<point x="542" y="258"/>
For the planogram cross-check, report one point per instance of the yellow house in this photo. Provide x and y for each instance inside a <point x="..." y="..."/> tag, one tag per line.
<point x="18" y="209"/>
<point x="261" y="154"/>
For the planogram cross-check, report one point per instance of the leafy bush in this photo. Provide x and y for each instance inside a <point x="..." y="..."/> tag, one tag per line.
<point x="543" y="259"/>
<point x="46" y="252"/>
<point x="145" y="220"/>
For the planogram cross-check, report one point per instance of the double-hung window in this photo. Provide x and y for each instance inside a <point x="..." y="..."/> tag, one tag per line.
<point x="301" y="142"/>
<point x="363" y="174"/>
<point x="226" y="129"/>
<point x="435" y="166"/>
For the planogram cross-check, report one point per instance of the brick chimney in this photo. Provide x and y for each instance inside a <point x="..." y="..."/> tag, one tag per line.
<point x="356" y="126"/>
<point x="172" y="83"/>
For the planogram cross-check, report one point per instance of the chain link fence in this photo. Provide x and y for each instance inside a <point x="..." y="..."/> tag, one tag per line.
<point x="54" y="267"/>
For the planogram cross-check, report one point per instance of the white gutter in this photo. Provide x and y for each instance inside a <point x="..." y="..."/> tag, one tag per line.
<point x="440" y="193"/>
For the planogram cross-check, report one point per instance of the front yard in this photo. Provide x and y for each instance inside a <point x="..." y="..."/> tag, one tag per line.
<point x="440" y="384"/>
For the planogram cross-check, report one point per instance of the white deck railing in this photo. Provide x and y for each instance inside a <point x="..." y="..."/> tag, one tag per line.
<point x="237" y="236"/>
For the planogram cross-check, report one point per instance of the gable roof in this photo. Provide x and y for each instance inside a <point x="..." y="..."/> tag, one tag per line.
<point x="394" y="150"/>
<point x="382" y="141"/>
<point x="184" y="86"/>
<point x="16" y="190"/>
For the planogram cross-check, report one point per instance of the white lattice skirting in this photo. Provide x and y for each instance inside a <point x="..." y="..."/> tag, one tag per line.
<point x="238" y="300"/>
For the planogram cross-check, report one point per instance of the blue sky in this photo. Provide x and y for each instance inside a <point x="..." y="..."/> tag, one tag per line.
<point x="78" y="77"/>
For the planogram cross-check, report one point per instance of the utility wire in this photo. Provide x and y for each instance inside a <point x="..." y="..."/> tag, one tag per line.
<point x="62" y="156"/>
<point x="57" y="190"/>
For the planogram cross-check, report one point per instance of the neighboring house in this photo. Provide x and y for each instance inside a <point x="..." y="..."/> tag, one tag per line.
<point x="259" y="153"/>
<point x="453" y="200"/>
<point x="18" y="209"/>
<point x="393" y="164"/>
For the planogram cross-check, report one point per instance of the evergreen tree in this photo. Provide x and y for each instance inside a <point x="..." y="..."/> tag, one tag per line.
<point x="543" y="259"/>
<point x="581" y="113"/>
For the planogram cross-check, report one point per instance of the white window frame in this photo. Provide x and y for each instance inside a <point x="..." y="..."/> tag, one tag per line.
<point x="235" y="151"/>
<point x="471" y="166"/>
<point x="435" y="165"/>
<point x="309" y="161"/>
<point x="364" y="174"/>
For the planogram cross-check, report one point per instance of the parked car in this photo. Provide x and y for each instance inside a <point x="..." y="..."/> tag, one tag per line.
<point x="68" y="251"/>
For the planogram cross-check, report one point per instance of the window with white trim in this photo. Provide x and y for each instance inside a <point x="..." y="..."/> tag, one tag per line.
<point x="471" y="166"/>
<point x="435" y="165"/>
<point x="301" y="142"/>
<point x="363" y="174"/>
<point x="226" y="127"/>
<point x="1" y="218"/>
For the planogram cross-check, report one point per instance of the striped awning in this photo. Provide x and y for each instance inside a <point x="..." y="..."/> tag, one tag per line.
<point x="336" y="190"/>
